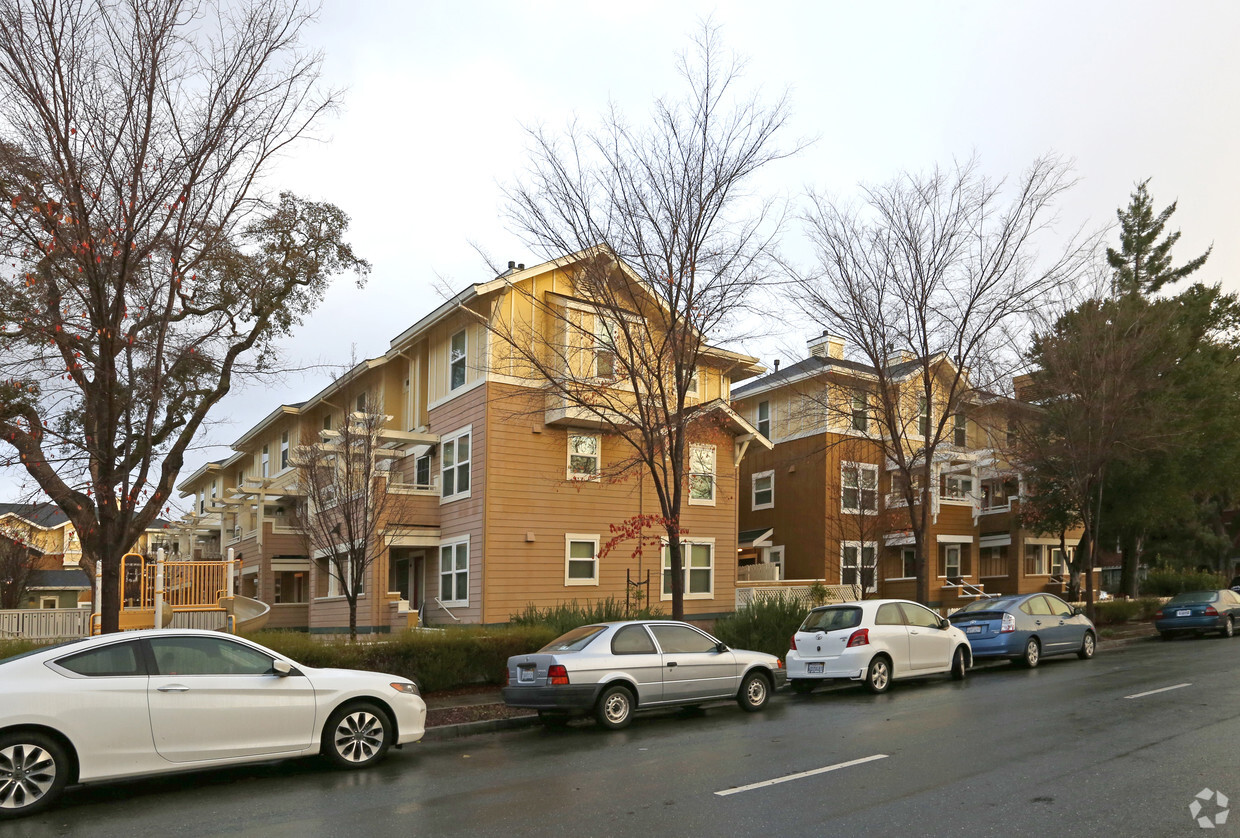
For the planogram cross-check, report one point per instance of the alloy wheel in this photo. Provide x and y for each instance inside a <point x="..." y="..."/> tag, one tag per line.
<point x="359" y="736"/>
<point x="27" y="774"/>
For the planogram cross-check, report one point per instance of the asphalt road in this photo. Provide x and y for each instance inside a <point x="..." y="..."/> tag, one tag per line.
<point x="1061" y="750"/>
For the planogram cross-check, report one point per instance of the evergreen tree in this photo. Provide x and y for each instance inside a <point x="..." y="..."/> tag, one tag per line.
<point x="1142" y="265"/>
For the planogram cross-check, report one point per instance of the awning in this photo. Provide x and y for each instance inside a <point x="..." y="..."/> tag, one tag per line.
<point x="995" y="540"/>
<point x="754" y="538"/>
<point x="900" y="539"/>
<point x="955" y="539"/>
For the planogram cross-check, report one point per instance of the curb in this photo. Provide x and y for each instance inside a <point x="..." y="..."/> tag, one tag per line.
<point x="442" y="732"/>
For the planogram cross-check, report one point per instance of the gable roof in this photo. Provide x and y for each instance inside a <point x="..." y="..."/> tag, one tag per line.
<point x="816" y="365"/>
<point x="46" y="516"/>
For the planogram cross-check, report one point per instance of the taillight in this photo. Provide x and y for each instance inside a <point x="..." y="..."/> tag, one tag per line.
<point x="1158" y="615"/>
<point x="1210" y="612"/>
<point x="1009" y="624"/>
<point x="507" y="679"/>
<point x="860" y="637"/>
<point x="792" y="643"/>
<point x="557" y="674"/>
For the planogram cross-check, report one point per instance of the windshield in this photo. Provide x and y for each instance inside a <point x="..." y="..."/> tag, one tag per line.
<point x="575" y="640"/>
<point x="1194" y="596"/>
<point x="830" y="619"/>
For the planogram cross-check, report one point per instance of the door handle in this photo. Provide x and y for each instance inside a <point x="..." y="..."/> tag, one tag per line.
<point x="173" y="688"/>
<point x="671" y="663"/>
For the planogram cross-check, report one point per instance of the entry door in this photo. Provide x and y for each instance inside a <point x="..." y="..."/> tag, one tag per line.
<point x="693" y="667"/>
<point x="930" y="647"/>
<point x="215" y="698"/>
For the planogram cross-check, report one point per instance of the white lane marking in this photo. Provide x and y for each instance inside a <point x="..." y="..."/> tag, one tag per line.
<point x="789" y="777"/>
<point x="1163" y="690"/>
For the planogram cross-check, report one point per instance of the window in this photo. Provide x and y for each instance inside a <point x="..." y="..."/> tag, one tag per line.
<point x="266" y="462"/>
<point x="763" y="490"/>
<point x="1035" y="560"/>
<point x="859" y="491"/>
<point x="1059" y="608"/>
<point x="422" y="471"/>
<point x="960" y="432"/>
<point x="889" y="615"/>
<point x="701" y="474"/>
<point x="1060" y="561"/>
<point x="202" y="502"/>
<point x="207" y="656"/>
<point x="335" y="588"/>
<point x="605" y="331"/>
<point x="455" y="466"/>
<point x="327" y="422"/>
<point x="683" y="640"/>
<point x="860" y="412"/>
<point x="114" y="660"/>
<point x="583" y="456"/>
<point x="1036" y="606"/>
<point x="923" y="417"/>
<point x="956" y="487"/>
<point x="283" y="451"/>
<point x="918" y="616"/>
<point x="775" y="556"/>
<point x="698" y="566"/>
<point x="951" y="560"/>
<point x="908" y="563"/>
<point x="580" y="559"/>
<point x="694" y="387"/>
<point x="456" y="361"/>
<point x="633" y="640"/>
<point x="454" y="573"/>
<point x="857" y="564"/>
<point x="290" y="586"/>
<point x="764" y="419"/>
<point x="361" y="403"/>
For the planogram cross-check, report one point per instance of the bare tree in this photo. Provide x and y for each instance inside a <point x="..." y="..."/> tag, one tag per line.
<point x="148" y="272"/>
<point x="667" y="243"/>
<point x="344" y="475"/>
<point x="18" y="563"/>
<point x="927" y="280"/>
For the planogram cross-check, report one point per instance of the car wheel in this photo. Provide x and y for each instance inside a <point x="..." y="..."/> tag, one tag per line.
<point x="34" y="769"/>
<point x="755" y="690"/>
<point x="802" y="687"/>
<point x="552" y="718"/>
<point x="1228" y="629"/>
<point x="1033" y="653"/>
<point x="357" y="736"/>
<point x="878" y="675"/>
<point x="960" y="667"/>
<point x="614" y="710"/>
<point x="1089" y="645"/>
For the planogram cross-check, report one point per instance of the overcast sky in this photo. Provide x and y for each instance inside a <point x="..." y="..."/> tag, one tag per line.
<point x="437" y="93"/>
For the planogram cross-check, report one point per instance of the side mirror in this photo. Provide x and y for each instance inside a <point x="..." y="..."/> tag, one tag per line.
<point x="281" y="668"/>
<point x="945" y="623"/>
<point x="1077" y="611"/>
<point x="721" y="646"/>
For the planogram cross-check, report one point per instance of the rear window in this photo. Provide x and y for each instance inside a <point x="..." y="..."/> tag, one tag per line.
<point x="118" y="659"/>
<point x="575" y="640"/>
<point x="1194" y="596"/>
<point x="984" y="605"/>
<point x="830" y="619"/>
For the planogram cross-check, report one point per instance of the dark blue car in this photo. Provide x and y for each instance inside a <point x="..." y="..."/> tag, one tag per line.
<point x="1197" y="612"/>
<point x="1026" y="628"/>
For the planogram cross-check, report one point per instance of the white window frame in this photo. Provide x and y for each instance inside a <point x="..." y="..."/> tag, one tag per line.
<point x="710" y="476"/>
<point x="775" y="556"/>
<point x="686" y="552"/>
<point x="1041" y="565"/>
<point x="954" y="487"/>
<point x="452" y="439"/>
<point x="923" y="417"/>
<point x="266" y="460"/>
<point x="571" y="538"/>
<point x="454" y="359"/>
<point x="859" y="412"/>
<point x="947" y="552"/>
<point x="571" y="474"/>
<point x="907" y="554"/>
<point x="284" y="451"/>
<point x="605" y="345"/>
<point x="960" y="427"/>
<point x="861" y="547"/>
<point x="1065" y="559"/>
<point x="44" y="601"/>
<point x="859" y="469"/>
<point x="335" y="589"/>
<point x="759" y="421"/>
<point x="455" y="572"/>
<point x="753" y="494"/>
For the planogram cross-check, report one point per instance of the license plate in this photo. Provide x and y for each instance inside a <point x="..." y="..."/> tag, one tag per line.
<point x="973" y="630"/>
<point x="525" y="676"/>
<point x="814" y="668"/>
<point x="1184" y="613"/>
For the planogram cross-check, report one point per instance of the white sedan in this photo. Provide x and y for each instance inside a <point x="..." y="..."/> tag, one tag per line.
<point x="152" y="702"/>
<point x="876" y="641"/>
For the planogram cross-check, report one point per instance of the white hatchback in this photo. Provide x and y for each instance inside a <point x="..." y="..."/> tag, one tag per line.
<point x="152" y="702"/>
<point x="875" y="641"/>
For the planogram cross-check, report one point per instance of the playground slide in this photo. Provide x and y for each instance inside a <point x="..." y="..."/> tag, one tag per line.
<point x="251" y="615"/>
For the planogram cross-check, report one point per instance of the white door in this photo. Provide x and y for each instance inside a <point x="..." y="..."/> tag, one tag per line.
<point x="930" y="647"/>
<point x="215" y="698"/>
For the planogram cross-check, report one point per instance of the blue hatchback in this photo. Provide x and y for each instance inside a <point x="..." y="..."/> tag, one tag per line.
<point x="1026" y="628"/>
<point x="1197" y="612"/>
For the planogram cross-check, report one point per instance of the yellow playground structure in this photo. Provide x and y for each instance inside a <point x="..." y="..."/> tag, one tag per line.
<point x="157" y="593"/>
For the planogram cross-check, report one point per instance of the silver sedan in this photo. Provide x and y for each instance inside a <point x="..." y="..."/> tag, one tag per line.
<point x="612" y="669"/>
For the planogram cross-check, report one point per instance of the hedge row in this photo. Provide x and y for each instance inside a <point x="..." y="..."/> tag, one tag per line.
<point x="1172" y="582"/>
<point x="1115" y="611"/>
<point x="764" y="625"/>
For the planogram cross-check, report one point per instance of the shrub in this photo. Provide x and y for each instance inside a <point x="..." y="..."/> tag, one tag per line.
<point x="1124" y="610"/>
<point x="1172" y="582"/>
<point x="569" y="615"/>
<point x="9" y="648"/>
<point x="764" y="625"/>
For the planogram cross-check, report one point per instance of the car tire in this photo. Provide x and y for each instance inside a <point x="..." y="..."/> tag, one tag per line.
<point x="802" y="686"/>
<point x="34" y="770"/>
<point x="1228" y="629"/>
<point x="1089" y="645"/>
<point x="878" y="675"/>
<point x="754" y="692"/>
<point x="357" y="735"/>
<point x="553" y="718"/>
<point x="1033" y="653"/>
<point x="960" y="666"/>
<point x="614" y="709"/>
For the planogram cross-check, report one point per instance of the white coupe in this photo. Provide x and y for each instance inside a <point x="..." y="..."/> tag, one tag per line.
<point x="157" y="701"/>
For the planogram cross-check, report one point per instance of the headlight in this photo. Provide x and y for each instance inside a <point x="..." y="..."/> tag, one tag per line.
<point x="405" y="687"/>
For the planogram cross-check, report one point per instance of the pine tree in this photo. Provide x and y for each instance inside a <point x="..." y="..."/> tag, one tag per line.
<point x="1142" y="265"/>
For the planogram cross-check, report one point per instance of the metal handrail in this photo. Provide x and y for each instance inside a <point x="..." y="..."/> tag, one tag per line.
<point x="445" y="608"/>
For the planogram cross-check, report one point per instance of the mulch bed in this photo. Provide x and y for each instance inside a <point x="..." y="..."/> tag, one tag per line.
<point x="473" y="713"/>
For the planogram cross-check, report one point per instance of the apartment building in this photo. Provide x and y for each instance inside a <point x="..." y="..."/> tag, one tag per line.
<point x="826" y="504"/>
<point x="501" y="494"/>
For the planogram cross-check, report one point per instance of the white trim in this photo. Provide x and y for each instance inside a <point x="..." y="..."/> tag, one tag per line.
<point x="714" y="475"/>
<point x="440" y="402"/>
<point x="581" y="476"/>
<point x="1053" y="542"/>
<point x="753" y="491"/>
<point x="464" y="359"/>
<point x="569" y="538"/>
<point x="861" y="565"/>
<point x="860" y="468"/>
<point x="995" y="540"/>
<point x="684" y="567"/>
<point x="453" y="438"/>
<point x="440" y="573"/>
<point x="761" y="541"/>
<point x="954" y="539"/>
